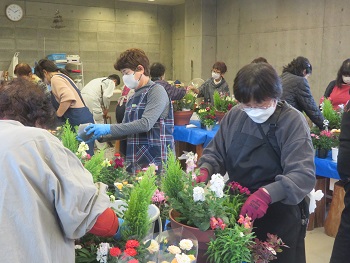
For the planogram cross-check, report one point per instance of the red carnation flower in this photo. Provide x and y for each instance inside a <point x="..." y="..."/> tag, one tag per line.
<point x="115" y="251"/>
<point x="130" y="252"/>
<point x="132" y="243"/>
<point x="133" y="261"/>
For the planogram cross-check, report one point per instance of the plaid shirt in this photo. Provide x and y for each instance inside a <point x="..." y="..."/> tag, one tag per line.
<point x="152" y="146"/>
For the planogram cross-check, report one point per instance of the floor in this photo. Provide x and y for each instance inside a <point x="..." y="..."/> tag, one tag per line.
<point x="318" y="246"/>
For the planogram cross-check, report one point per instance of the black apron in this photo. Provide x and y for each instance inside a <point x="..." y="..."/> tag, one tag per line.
<point x="251" y="162"/>
<point x="75" y="116"/>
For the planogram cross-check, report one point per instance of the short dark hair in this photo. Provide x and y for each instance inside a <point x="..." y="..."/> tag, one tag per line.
<point x="131" y="58"/>
<point x="220" y="66"/>
<point x="157" y="70"/>
<point x="259" y="60"/>
<point x="115" y="77"/>
<point x="22" y="69"/>
<point x="297" y="66"/>
<point x="24" y="101"/>
<point x="258" y="82"/>
<point x="344" y="70"/>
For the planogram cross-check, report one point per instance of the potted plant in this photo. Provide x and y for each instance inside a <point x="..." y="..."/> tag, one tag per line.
<point x="211" y="213"/>
<point x="223" y="103"/>
<point x="183" y="109"/>
<point x="206" y="115"/>
<point x="323" y="141"/>
<point x="332" y="117"/>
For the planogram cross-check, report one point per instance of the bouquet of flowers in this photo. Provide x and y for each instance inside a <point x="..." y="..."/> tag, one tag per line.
<point x="223" y="102"/>
<point x="206" y="114"/>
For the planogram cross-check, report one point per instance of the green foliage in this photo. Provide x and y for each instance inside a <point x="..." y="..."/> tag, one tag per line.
<point x="206" y="114"/>
<point x="332" y="116"/>
<point x="94" y="166"/>
<point x="136" y="216"/>
<point x="187" y="102"/>
<point x="231" y="245"/>
<point x="68" y="137"/>
<point x="223" y="102"/>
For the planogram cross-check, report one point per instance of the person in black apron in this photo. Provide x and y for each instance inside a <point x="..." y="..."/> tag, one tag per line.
<point x="75" y="116"/>
<point x="265" y="145"/>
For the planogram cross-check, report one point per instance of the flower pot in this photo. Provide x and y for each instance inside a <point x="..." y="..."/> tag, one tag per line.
<point x="203" y="237"/>
<point x="209" y="128"/>
<point x="182" y="117"/>
<point x="322" y="153"/>
<point x="335" y="153"/>
<point x="219" y="115"/>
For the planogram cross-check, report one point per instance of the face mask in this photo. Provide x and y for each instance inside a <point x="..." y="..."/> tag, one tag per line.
<point x="260" y="115"/>
<point x="130" y="81"/>
<point x="215" y="75"/>
<point x="346" y="80"/>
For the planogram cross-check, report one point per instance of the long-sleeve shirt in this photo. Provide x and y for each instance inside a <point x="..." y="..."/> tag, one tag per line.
<point x="344" y="148"/>
<point x="47" y="197"/>
<point x="174" y="93"/>
<point x="207" y="89"/>
<point x="99" y="91"/>
<point x="158" y="105"/>
<point x="297" y="154"/>
<point x="296" y="91"/>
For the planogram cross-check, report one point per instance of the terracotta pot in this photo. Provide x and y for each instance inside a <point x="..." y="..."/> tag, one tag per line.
<point x="322" y="153"/>
<point x="219" y="115"/>
<point x="203" y="237"/>
<point x="182" y="117"/>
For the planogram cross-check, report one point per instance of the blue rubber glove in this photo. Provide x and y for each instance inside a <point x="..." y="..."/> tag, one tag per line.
<point x="98" y="130"/>
<point x="118" y="235"/>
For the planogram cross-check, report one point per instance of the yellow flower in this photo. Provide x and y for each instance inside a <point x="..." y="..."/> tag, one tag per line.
<point x="125" y="182"/>
<point x="119" y="185"/>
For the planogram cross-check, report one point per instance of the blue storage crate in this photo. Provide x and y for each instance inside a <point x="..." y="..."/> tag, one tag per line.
<point x="60" y="65"/>
<point x="57" y="56"/>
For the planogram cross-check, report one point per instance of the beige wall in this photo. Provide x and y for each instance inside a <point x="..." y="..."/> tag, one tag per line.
<point x="98" y="31"/>
<point x="201" y="31"/>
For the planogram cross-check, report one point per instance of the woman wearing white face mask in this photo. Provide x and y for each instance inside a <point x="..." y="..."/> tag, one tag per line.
<point x="265" y="145"/>
<point x="216" y="82"/>
<point x="148" y="121"/>
<point x="338" y="89"/>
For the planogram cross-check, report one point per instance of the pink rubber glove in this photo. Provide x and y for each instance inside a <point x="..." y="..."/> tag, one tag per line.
<point x="256" y="204"/>
<point x="203" y="175"/>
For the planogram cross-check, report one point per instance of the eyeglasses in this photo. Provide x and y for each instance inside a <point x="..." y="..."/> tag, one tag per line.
<point x="248" y="108"/>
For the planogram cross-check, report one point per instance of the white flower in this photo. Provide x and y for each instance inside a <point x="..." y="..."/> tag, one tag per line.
<point x="153" y="246"/>
<point x="186" y="244"/>
<point x="241" y="234"/>
<point x="102" y="252"/>
<point x="217" y="185"/>
<point x="83" y="147"/>
<point x="174" y="250"/>
<point x="198" y="194"/>
<point x="77" y="247"/>
<point x="183" y="258"/>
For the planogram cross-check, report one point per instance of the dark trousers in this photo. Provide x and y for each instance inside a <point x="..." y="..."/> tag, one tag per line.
<point x="289" y="223"/>
<point x="341" y="247"/>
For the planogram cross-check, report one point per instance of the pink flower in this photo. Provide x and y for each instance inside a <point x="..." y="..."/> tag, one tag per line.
<point x="245" y="221"/>
<point x="158" y="197"/>
<point x="213" y="223"/>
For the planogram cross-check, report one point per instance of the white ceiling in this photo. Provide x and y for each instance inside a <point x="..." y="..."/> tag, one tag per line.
<point x="157" y="2"/>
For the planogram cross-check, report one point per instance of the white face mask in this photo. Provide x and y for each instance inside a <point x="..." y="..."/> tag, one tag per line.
<point x="215" y="75"/>
<point x="260" y="115"/>
<point x="346" y="79"/>
<point x="130" y="81"/>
